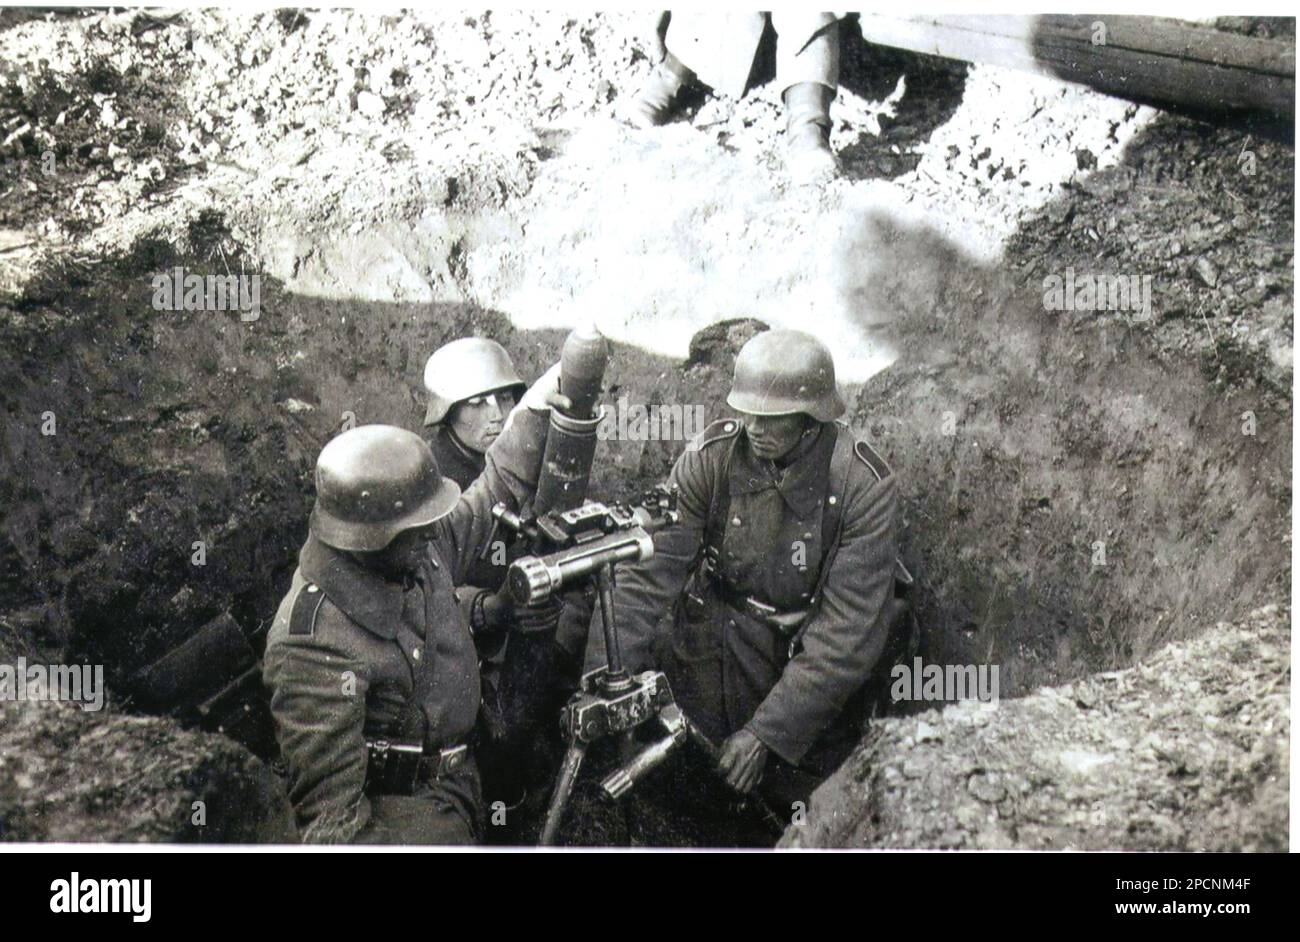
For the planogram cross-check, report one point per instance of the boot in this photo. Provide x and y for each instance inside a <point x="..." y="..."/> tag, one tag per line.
<point x="656" y="103"/>
<point x="808" y="132"/>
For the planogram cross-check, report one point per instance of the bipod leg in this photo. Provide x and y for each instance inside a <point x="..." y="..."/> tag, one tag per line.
<point x="563" y="787"/>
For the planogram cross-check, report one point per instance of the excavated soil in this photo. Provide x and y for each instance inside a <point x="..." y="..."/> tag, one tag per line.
<point x="1080" y="489"/>
<point x="1187" y="751"/>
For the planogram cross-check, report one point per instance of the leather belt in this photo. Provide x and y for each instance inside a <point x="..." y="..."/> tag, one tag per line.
<point x="397" y="768"/>
<point x="785" y="621"/>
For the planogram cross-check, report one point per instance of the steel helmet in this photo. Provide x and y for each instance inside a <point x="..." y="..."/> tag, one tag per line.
<point x="372" y="483"/>
<point x="782" y="372"/>
<point x="466" y="368"/>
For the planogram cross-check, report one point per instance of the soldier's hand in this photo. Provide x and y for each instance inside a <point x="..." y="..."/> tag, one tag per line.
<point x="557" y="400"/>
<point x="741" y="761"/>
<point x="545" y="393"/>
<point x="543" y="616"/>
<point x="525" y="618"/>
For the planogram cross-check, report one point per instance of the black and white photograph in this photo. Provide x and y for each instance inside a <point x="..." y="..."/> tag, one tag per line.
<point x="540" y="429"/>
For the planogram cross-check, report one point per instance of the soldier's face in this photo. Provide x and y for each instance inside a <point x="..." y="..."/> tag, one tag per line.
<point x="400" y="557"/>
<point x="477" y="422"/>
<point x="772" y="436"/>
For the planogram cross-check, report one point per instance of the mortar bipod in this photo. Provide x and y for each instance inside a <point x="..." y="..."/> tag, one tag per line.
<point x="612" y="702"/>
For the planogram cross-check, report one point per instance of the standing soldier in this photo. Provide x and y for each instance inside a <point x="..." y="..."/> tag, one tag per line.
<point x="472" y="386"/>
<point x="718" y="48"/>
<point x="371" y="664"/>
<point x="779" y="580"/>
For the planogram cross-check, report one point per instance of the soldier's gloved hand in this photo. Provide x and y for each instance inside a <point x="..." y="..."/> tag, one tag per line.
<point x="741" y="761"/>
<point x="527" y="619"/>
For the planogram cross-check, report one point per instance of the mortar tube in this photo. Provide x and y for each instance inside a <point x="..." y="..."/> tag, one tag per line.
<point x="566" y="462"/>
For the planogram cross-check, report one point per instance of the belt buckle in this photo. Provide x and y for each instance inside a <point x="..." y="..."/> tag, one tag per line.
<point x="377" y="763"/>
<point x="449" y="760"/>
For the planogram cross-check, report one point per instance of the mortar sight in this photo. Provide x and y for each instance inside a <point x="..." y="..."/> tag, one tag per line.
<point x="570" y="546"/>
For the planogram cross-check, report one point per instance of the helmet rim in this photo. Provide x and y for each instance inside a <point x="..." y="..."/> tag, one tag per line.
<point x="786" y="372"/>
<point x="374" y="482"/>
<point x="463" y="369"/>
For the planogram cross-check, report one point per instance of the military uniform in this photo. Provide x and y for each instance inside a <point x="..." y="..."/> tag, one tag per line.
<point x="463" y="465"/>
<point x="352" y="658"/>
<point x="504" y="754"/>
<point x="456" y="461"/>
<point x="737" y="574"/>
<point x="719" y="46"/>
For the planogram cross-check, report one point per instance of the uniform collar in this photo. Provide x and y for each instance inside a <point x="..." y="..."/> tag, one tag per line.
<point x="371" y="601"/>
<point x="457" y="460"/>
<point x="469" y="453"/>
<point x="802" y="485"/>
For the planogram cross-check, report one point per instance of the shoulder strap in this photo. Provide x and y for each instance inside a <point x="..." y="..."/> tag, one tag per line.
<point x="302" y="617"/>
<point x="715" y="525"/>
<point x="846" y="448"/>
<point x="833" y="515"/>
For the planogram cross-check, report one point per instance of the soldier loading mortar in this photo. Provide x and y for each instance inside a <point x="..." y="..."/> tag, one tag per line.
<point x="575" y="545"/>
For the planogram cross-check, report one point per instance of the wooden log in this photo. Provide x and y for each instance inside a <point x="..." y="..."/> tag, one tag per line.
<point x="1163" y="62"/>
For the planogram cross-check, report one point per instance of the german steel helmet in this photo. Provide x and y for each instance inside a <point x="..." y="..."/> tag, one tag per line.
<point x="782" y="372"/>
<point x="466" y="368"/>
<point x="372" y="483"/>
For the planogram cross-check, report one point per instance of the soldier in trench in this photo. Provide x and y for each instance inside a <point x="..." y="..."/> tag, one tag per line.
<point x="372" y="666"/>
<point x="472" y="385"/>
<point x="772" y="605"/>
<point x="718" y="50"/>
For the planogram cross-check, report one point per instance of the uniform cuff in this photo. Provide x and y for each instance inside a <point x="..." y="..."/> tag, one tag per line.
<point x="790" y="749"/>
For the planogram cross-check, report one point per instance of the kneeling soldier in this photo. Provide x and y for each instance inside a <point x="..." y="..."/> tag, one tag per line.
<point x="779" y="582"/>
<point x="372" y="668"/>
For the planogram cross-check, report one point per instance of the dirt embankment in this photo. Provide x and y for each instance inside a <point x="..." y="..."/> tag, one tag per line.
<point x="69" y="775"/>
<point x="1082" y="488"/>
<point x="1187" y="751"/>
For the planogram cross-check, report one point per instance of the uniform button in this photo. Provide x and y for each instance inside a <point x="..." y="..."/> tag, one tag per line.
<point x="831" y="500"/>
<point x="807" y="536"/>
<point x="415" y="653"/>
<point x="728" y="427"/>
<point x="735" y="521"/>
<point x="312" y="588"/>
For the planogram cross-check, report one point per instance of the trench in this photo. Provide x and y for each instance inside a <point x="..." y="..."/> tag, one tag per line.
<point x="1075" y="496"/>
